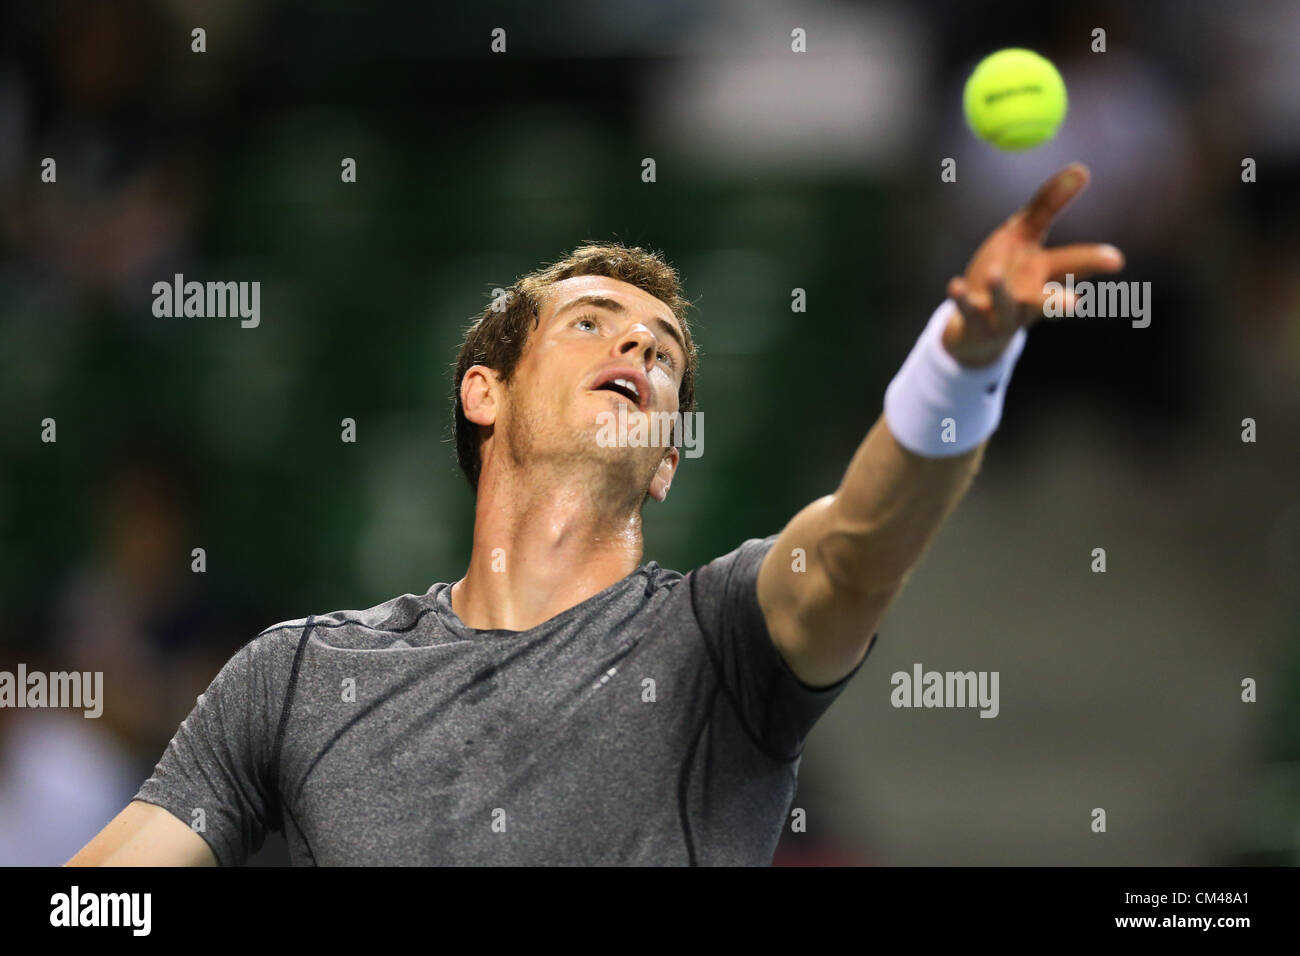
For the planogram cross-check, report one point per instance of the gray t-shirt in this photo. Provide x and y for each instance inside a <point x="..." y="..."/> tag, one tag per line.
<point x="655" y="723"/>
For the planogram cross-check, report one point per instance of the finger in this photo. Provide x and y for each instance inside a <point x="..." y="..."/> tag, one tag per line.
<point x="959" y="291"/>
<point x="956" y="289"/>
<point x="1052" y="197"/>
<point x="1007" y="312"/>
<point x="995" y="286"/>
<point x="981" y="300"/>
<point x="1083" y="259"/>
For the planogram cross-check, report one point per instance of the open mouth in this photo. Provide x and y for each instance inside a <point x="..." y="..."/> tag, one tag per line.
<point x="624" y="387"/>
<point x="630" y="384"/>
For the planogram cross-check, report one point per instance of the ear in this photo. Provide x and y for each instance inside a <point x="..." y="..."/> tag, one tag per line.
<point x="478" y="395"/>
<point x="664" y="476"/>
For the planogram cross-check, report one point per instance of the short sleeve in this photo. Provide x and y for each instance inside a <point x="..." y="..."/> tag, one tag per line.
<point x="213" y="775"/>
<point x="776" y="707"/>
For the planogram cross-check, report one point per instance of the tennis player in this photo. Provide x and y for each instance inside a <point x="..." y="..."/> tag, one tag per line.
<point x="563" y="702"/>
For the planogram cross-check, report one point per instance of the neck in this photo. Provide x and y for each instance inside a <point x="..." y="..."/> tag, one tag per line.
<point x="543" y="544"/>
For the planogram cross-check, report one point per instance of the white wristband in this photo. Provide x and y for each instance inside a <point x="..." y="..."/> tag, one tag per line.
<point x="937" y="407"/>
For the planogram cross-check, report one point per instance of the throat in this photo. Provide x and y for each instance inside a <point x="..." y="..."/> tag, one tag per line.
<point x="517" y="591"/>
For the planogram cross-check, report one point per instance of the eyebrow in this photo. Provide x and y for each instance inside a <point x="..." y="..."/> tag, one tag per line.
<point x="605" y="302"/>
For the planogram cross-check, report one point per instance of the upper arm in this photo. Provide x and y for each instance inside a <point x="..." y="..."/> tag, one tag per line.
<point x="145" y="835"/>
<point x="774" y="705"/>
<point x="820" y="622"/>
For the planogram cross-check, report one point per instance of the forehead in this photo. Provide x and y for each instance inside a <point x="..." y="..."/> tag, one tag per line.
<point x="637" y="301"/>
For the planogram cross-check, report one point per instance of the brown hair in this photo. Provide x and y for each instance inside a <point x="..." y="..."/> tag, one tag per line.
<point x="498" y="337"/>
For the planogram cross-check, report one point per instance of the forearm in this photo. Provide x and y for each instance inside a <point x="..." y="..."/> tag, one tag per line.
<point x="919" y="459"/>
<point x="888" y="507"/>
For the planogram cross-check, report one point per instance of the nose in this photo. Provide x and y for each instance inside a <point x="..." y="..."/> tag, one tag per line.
<point x="639" y="340"/>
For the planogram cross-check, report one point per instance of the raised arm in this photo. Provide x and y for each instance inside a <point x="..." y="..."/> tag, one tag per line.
<point x="859" y="544"/>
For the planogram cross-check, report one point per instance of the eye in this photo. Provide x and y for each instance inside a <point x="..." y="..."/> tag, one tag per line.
<point x="667" y="357"/>
<point x="589" y="320"/>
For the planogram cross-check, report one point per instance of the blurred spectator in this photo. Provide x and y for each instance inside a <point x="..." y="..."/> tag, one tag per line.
<point x="133" y="611"/>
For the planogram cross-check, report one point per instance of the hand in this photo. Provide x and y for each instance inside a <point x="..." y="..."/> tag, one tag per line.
<point x="1002" y="290"/>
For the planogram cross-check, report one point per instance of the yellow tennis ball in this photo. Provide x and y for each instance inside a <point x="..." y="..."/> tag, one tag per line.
<point x="1015" y="99"/>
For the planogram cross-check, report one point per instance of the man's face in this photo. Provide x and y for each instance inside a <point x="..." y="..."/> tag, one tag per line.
<point x="591" y="331"/>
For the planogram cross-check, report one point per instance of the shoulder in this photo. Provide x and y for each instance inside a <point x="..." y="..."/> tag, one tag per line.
<point x="379" y="625"/>
<point x="718" y="589"/>
<point x="746" y="556"/>
<point x="739" y="564"/>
